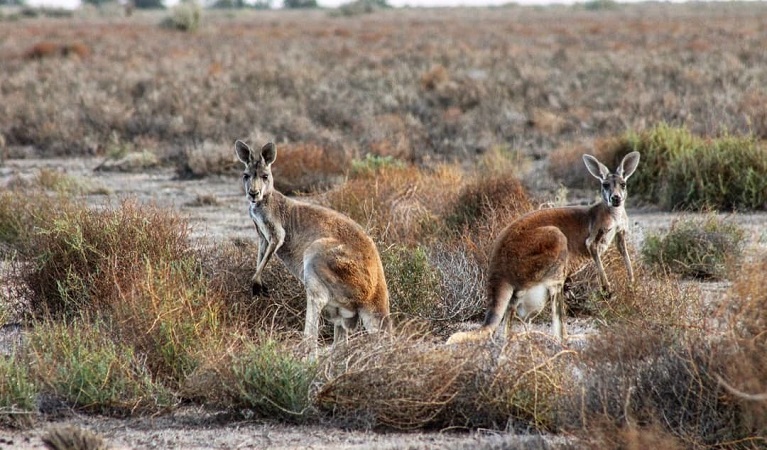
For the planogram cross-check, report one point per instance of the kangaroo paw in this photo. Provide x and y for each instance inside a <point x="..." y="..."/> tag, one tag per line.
<point x="260" y="290"/>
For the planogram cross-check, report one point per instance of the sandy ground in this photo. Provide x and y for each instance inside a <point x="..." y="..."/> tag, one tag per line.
<point x="193" y="428"/>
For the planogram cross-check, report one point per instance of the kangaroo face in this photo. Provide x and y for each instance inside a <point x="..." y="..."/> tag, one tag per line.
<point x="257" y="177"/>
<point x="613" y="188"/>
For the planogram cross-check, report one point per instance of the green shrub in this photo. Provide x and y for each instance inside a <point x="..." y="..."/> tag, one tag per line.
<point x="706" y="249"/>
<point x="185" y="16"/>
<point x="272" y="382"/>
<point x="18" y="392"/>
<point x="171" y="317"/>
<point x="681" y="171"/>
<point x="82" y="366"/>
<point x="414" y="285"/>
<point x="371" y="164"/>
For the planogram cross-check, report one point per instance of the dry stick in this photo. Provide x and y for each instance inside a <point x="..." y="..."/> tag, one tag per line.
<point x="738" y="393"/>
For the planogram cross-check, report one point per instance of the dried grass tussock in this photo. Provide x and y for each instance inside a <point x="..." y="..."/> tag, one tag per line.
<point x="414" y="381"/>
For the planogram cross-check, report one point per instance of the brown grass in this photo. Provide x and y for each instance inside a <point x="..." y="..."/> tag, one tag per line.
<point x="412" y="382"/>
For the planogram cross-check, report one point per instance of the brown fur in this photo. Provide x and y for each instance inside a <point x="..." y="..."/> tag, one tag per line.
<point x="331" y="254"/>
<point x="533" y="255"/>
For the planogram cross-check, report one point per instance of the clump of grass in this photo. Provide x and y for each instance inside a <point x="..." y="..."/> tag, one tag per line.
<point x="706" y="249"/>
<point x="18" y="392"/>
<point x="83" y="367"/>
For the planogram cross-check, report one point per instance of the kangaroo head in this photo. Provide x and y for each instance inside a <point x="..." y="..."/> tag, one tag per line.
<point x="613" y="188"/>
<point x="257" y="177"/>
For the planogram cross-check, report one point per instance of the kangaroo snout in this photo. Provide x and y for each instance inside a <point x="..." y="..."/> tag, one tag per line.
<point x="616" y="199"/>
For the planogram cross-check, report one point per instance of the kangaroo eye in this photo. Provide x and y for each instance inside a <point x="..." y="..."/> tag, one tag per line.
<point x="245" y="177"/>
<point x="264" y="177"/>
<point x="606" y="185"/>
<point x="623" y="185"/>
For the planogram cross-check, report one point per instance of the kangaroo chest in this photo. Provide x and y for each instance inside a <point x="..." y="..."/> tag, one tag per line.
<point x="601" y="235"/>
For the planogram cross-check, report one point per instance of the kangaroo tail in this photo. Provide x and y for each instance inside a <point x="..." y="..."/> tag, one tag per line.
<point x="500" y="294"/>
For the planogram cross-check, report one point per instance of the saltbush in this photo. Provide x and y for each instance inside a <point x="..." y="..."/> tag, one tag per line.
<point x="707" y="249"/>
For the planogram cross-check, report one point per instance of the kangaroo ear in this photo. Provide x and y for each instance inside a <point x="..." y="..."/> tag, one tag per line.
<point x="628" y="165"/>
<point x="596" y="168"/>
<point x="243" y="151"/>
<point x="269" y="153"/>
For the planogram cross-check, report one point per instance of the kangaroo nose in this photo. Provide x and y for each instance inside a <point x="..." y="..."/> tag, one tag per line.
<point x="253" y="193"/>
<point x="615" y="198"/>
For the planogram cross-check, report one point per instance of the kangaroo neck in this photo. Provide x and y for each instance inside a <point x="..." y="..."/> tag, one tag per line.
<point x="274" y="203"/>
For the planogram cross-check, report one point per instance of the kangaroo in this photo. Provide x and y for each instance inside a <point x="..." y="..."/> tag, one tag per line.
<point x="532" y="256"/>
<point x="331" y="254"/>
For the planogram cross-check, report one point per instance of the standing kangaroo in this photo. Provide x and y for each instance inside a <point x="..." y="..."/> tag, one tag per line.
<point x="532" y="256"/>
<point x="331" y="254"/>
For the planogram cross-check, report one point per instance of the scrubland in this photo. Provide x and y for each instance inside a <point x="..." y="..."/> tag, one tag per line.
<point x="431" y="128"/>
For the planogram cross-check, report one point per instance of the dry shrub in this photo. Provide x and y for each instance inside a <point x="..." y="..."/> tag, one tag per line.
<point x="652" y="300"/>
<point x="411" y="382"/>
<point x="548" y="122"/>
<point x="743" y="353"/>
<point x="70" y="437"/>
<point x="497" y="198"/>
<point x="230" y="266"/>
<point x="208" y="158"/>
<point x="83" y="259"/>
<point x="46" y="49"/>
<point x="308" y="167"/>
<point x="461" y="284"/>
<point x="582" y="286"/>
<point x="171" y="317"/>
<point x="650" y="377"/>
<point x="706" y="249"/>
<point x="397" y="203"/>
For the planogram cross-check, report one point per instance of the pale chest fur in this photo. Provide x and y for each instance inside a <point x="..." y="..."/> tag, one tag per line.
<point x="266" y="222"/>
<point x="602" y="232"/>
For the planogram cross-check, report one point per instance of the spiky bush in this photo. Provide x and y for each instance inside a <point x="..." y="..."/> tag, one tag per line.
<point x="707" y="249"/>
